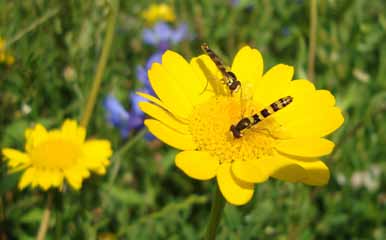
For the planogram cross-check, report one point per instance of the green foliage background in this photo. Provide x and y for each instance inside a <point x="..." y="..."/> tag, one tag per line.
<point x="143" y="195"/>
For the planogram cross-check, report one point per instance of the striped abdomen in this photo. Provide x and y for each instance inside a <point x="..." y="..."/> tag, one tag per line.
<point x="229" y="77"/>
<point x="248" y="122"/>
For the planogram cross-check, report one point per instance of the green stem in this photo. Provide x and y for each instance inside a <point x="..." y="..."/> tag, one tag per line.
<point x="41" y="235"/>
<point x="218" y="204"/>
<point x="312" y="40"/>
<point x="101" y="64"/>
<point x="58" y="215"/>
<point x="116" y="159"/>
<point x="51" y="13"/>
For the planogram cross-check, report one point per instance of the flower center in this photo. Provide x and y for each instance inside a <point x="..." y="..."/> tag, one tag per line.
<point x="210" y="127"/>
<point x="55" y="153"/>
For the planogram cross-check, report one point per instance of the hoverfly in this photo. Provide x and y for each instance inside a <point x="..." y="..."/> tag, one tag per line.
<point x="231" y="81"/>
<point x="248" y="122"/>
<point x="229" y="78"/>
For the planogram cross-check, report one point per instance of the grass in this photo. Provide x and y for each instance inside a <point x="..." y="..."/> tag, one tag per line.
<point x="143" y="195"/>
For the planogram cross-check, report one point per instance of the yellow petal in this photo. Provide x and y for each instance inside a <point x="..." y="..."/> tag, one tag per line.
<point x="96" y="154"/>
<point x="75" y="176"/>
<point x="311" y="113"/>
<point x="169" y="136"/>
<point x="318" y="173"/>
<point x="34" y="136"/>
<point x="153" y="100"/>
<point x="165" y="117"/>
<point x="313" y="172"/>
<point x="234" y="191"/>
<point x="197" y="164"/>
<point x="283" y="168"/>
<point x="172" y="95"/>
<point x="100" y="171"/>
<point x="71" y="130"/>
<point x="274" y="84"/>
<point x="56" y="178"/>
<point x="325" y="97"/>
<point x="248" y="67"/>
<point x="15" y="157"/>
<point x="249" y="171"/>
<point x="45" y="178"/>
<point x="305" y="147"/>
<point x="316" y="123"/>
<point x="183" y="75"/>
<point x="27" y="178"/>
<point x="208" y="72"/>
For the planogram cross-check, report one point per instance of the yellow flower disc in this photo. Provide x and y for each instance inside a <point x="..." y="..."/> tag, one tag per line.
<point x="52" y="156"/>
<point x="194" y="111"/>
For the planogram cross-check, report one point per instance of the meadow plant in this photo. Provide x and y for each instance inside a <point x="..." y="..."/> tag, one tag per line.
<point x="195" y="117"/>
<point x="261" y="137"/>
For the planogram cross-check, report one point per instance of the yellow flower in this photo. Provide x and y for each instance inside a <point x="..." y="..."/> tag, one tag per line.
<point x="158" y="12"/>
<point x="9" y="59"/>
<point x="4" y="56"/>
<point x="52" y="156"/>
<point x="2" y="44"/>
<point x="195" y="117"/>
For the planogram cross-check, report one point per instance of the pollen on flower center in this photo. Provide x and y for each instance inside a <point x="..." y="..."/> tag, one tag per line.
<point x="55" y="153"/>
<point x="210" y="127"/>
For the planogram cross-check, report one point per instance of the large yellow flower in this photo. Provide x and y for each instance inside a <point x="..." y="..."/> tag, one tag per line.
<point x="195" y="117"/>
<point x="52" y="156"/>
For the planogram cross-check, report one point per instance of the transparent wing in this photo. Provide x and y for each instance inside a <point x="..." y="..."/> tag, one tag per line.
<point x="246" y="96"/>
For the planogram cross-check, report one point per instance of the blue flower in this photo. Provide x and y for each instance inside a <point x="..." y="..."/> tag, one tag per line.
<point x="162" y="35"/>
<point x="142" y="70"/>
<point x="117" y="115"/>
<point x="128" y="120"/>
<point x="234" y="3"/>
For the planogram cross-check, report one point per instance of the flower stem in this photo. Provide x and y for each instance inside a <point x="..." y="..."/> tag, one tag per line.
<point x="218" y="204"/>
<point x="89" y="107"/>
<point x="312" y="40"/>
<point x="45" y="219"/>
<point x="51" y="13"/>
<point x="58" y="215"/>
<point x="116" y="159"/>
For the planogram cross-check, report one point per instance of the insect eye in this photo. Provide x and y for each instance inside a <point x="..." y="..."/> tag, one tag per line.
<point x="232" y="75"/>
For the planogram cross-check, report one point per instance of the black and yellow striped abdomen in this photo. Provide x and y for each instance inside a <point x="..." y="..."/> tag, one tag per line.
<point x="229" y="77"/>
<point x="248" y="122"/>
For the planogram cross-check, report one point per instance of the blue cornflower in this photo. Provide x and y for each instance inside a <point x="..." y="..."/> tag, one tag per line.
<point x="142" y="71"/>
<point x="117" y="115"/>
<point x="128" y="120"/>
<point x="235" y="2"/>
<point x="162" y="35"/>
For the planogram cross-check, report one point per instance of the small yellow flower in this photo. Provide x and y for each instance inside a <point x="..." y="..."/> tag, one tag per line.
<point x="52" y="156"/>
<point x="9" y="59"/>
<point x="4" y="56"/>
<point x="2" y="44"/>
<point x="158" y="12"/>
<point x="195" y="117"/>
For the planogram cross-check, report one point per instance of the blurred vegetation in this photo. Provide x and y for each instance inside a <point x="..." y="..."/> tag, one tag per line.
<point x="143" y="195"/>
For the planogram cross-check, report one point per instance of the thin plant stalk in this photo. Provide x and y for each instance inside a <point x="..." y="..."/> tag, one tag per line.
<point x="45" y="219"/>
<point x="51" y="13"/>
<point x="58" y="215"/>
<point x="312" y="40"/>
<point x="218" y="204"/>
<point x="90" y="104"/>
